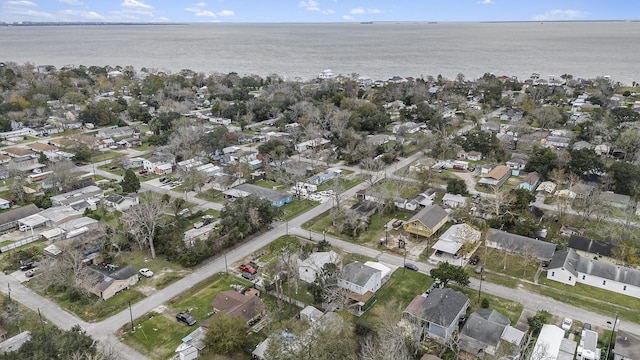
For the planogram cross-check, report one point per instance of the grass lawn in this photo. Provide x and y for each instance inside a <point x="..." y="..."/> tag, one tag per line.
<point x="589" y="298"/>
<point x="165" y="272"/>
<point x="403" y="286"/>
<point x="156" y="336"/>
<point x="197" y="299"/>
<point x="516" y="267"/>
<point x="297" y="207"/>
<point x="23" y="318"/>
<point x="108" y="155"/>
<point x="510" y="309"/>
<point x="212" y="195"/>
<point x="271" y="185"/>
<point x="344" y="184"/>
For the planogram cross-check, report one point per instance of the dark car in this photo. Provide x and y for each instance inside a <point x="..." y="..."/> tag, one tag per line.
<point x="27" y="266"/>
<point x="474" y="260"/>
<point x="185" y="318"/>
<point x="411" y="266"/>
<point x="248" y="276"/>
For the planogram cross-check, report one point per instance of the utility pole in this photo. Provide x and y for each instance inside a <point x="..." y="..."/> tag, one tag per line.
<point x="480" y="287"/>
<point x="9" y="286"/>
<point x="226" y="268"/>
<point x="613" y="331"/>
<point x="131" y="316"/>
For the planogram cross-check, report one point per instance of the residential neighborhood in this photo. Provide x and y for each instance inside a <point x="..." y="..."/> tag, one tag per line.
<point x="169" y="214"/>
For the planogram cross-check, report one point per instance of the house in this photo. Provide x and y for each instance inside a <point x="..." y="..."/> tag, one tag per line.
<point x="323" y="177"/>
<point x="559" y="142"/>
<point x="116" y="132"/>
<point x="517" y="162"/>
<point x="90" y="193"/>
<point x="195" y="234"/>
<point x="385" y="271"/>
<point x="453" y="240"/>
<point x="569" y="268"/>
<point x="588" y="346"/>
<point x="360" y="278"/>
<point x="5" y="204"/>
<point x="57" y="215"/>
<point x="530" y="181"/>
<point x="163" y="169"/>
<point x="248" y="306"/>
<point x="15" y="343"/>
<point x="547" y="186"/>
<point x="482" y="332"/>
<point x="551" y="345"/>
<point x="471" y="155"/>
<point x="41" y="147"/>
<point x="153" y="162"/>
<point x="9" y="219"/>
<point x="454" y="200"/>
<point x="627" y="346"/>
<point x="312" y="265"/>
<point x="132" y="163"/>
<point x="496" y="177"/>
<point x="276" y="198"/>
<point x="590" y="247"/>
<point x="427" y="221"/>
<point x="490" y="126"/>
<point x="616" y="200"/>
<point x="583" y="191"/>
<point x="121" y="202"/>
<point x="106" y="283"/>
<point x="310" y="314"/>
<point x="437" y="314"/>
<point x="519" y="245"/>
<point x="191" y="344"/>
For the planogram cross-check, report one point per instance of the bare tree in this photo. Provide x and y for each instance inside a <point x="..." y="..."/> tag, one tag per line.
<point x="145" y="218"/>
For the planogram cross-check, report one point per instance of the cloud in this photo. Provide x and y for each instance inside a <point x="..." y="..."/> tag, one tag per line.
<point x="486" y="2"/>
<point x="555" y="15"/>
<point x="83" y="15"/>
<point x="198" y="11"/>
<point x="347" y="17"/>
<point x="71" y="2"/>
<point x="226" y="13"/>
<point x="205" y="13"/>
<point x="20" y="3"/>
<point x="135" y="4"/>
<point x="201" y="4"/>
<point x="312" y="5"/>
<point x="360" y="11"/>
<point x="30" y="14"/>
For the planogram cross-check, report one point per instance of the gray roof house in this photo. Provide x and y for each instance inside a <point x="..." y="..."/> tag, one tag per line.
<point x="9" y="219"/>
<point x="482" y="332"/>
<point x="427" y="221"/>
<point x="107" y="283"/>
<point x="627" y="346"/>
<point x="569" y="268"/>
<point x="436" y="315"/>
<point x="520" y="245"/>
<point x="360" y="278"/>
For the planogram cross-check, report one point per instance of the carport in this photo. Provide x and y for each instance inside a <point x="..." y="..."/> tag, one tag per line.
<point x="31" y="222"/>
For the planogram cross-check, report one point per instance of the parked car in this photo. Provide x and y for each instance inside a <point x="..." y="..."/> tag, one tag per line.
<point x="438" y="253"/>
<point x="248" y="276"/>
<point x="566" y="324"/>
<point x="32" y="272"/>
<point x="474" y="260"/>
<point x="142" y="172"/>
<point x="586" y="326"/>
<point x="411" y="266"/>
<point x="146" y="272"/>
<point x="186" y="318"/>
<point x="27" y="266"/>
<point x="479" y="270"/>
<point x="248" y="269"/>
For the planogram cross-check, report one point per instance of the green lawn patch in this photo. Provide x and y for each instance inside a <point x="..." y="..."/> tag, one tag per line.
<point x="508" y="308"/>
<point x="403" y="286"/>
<point x="22" y="318"/>
<point x="269" y="184"/>
<point x="156" y="335"/>
<point x="165" y="272"/>
<point x="344" y="184"/>
<point x="297" y="207"/>
<point x="499" y="263"/>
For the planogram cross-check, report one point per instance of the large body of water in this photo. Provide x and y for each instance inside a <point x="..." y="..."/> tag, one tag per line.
<point x="379" y="50"/>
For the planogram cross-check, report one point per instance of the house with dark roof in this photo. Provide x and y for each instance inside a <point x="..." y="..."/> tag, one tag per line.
<point x="569" y="268"/>
<point x="517" y="162"/>
<point x="275" y="197"/>
<point x="520" y="245"/>
<point x="627" y="346"/>
<point x="496" y="177"/>
<point x="247" y="306"/>
<point x="121" y="202"/>
<point x="9" y="219"/>
<point x="105" y="282"/>
<point x="530" y="181"/>
<point x="481" y="333"/>
<point x="587" y="247"/>
<point x="436" y="314"/>
<point x="616" y="200"/>
<point x="427" y="221"/>
<point x="360" y="278"/>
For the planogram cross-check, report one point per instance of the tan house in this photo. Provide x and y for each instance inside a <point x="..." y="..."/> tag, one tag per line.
<point x="496" y="177"/>
<point x="41" y="147"/>
<point x="427" y="221"/>
<point x="106" y="282"/>
<point x="248" y="306"/>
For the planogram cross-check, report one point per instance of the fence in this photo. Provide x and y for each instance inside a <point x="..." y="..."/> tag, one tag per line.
<point x="19" y="243"/>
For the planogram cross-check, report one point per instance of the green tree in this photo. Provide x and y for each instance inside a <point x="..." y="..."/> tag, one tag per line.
<point x="523" y="198"/>
<point x="584" y="161"/>
<point x="130" y="182"/>
<point x="57" y="344"/>
<point x="227" y="334"/>
<point x="543" y="160"/>
<point x="456" y="186"/>
<point x="446" y="273"/>
<point x="624" y="114"/>
<point x="537" y="321"/>
<point x="626" y="177"/>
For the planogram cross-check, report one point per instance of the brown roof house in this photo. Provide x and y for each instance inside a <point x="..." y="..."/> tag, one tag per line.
<point x="248" y="306"/>
<point x="496" y="177"/>
<point x="427" y="221"/>
<point x="105" y="282"/>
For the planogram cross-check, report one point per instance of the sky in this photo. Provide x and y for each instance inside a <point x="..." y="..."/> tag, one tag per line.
<point x="314" y="10"/>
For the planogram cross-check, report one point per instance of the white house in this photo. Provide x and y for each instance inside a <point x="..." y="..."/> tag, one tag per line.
<point x="360" y="279"/>
<point x="588" y="346"/>
<point x="548" y="346"/>
<point x="311" y="266"/>
<point x="121" y="202"/>
<point x="153" y="162"/>
<point x="569" y="268"/>
<point x="454" y="200"/>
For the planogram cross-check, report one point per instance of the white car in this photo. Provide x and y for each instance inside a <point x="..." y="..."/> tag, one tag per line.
<point x="146" y="272"/>
<point x="566" y="324"/>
